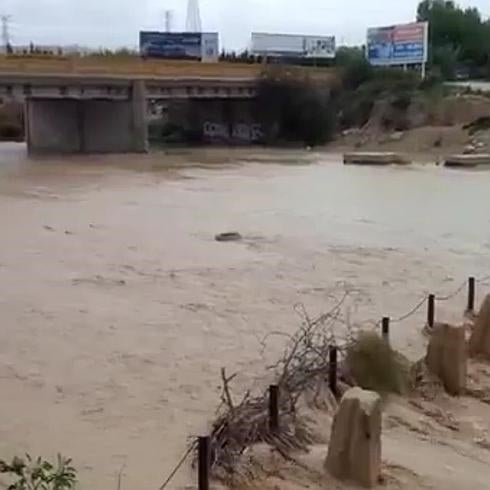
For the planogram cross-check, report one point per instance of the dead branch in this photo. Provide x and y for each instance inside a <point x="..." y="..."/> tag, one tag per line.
<point x="303" y="365"/>
<point x="226" y="388"/>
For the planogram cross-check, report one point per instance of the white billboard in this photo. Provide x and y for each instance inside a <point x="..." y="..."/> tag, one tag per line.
<point x="293" y="46"/>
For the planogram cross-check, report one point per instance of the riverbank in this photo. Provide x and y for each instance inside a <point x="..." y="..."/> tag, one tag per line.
<point x="429" y="440"/>
<point x="119" y="308"/>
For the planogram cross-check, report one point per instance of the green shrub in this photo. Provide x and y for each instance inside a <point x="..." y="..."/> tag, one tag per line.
<point x="394" y="85"/>
<point x="375" y="366"/>
<point x="356" y="69"/>
<point x="295" y="110"/>
<point x="356" y="110"/>
<point x="29" y="474"/>
<point x="10" y="132"/>
<point x="402" y="101"/>
<point x="480" y="124"/>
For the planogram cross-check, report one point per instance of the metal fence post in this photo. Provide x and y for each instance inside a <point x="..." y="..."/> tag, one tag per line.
<point x="204" y="460"/>
<point x="332" y="370"/>
<point x="431" y="311"/>
<point x="385" y="329"/>
<point x="274" y="408"/>
<point x="471" y="295"/>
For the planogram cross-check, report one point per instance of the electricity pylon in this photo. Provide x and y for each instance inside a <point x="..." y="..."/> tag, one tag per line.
<point x="193" y="23"/>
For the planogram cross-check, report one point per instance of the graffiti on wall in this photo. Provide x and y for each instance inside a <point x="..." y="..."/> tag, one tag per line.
<point x="238" y="133"/>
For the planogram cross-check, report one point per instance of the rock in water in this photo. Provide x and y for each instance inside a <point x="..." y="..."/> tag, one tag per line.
<point x="447" y="357"/>
<point x="480" y="338"/>
<point x="230" y="236"/>
<point x="354" y="452"/>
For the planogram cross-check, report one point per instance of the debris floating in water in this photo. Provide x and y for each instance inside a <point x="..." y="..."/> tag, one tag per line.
<point x="231" y="236"/>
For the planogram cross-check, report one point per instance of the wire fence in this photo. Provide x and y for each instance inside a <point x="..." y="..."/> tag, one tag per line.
<point x="483" y="281"/>
<point x="179" y="465"/>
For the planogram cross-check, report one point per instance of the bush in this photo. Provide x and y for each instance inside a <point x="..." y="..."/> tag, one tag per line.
<point x="11" y="132"/>
<point x="445" y="58"/>
<point x="375" y="366"/>
<point x="296" y="110"/>
<point x="356" y="68"/>
<point x="480" y="124"/>
<point x="402" y="101"/>
<point x="356" y="110"/>
<point x="29" y="474"/>
<point x="396" y="86"/>
<point x="433" y="81"/>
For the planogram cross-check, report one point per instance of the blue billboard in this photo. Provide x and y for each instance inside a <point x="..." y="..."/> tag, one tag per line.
<point x="179" y="45"/>
<point x="398" y="45"/>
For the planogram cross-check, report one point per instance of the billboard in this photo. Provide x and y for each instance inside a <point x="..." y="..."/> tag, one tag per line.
<point x="179" y="45"/>
<point x="398" y="45"/>
<point x="293" y="46"/>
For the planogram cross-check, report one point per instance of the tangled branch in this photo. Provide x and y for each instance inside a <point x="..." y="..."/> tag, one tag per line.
<point x="304" y="363"/>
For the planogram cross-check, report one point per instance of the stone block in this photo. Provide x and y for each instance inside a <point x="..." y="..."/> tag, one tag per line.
<point x="480" y="338"/>
<point x="354" y="451"/>
<point x="447" y="357"/>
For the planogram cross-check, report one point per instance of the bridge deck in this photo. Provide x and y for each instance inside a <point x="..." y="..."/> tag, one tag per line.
<point x="136" y="67"/>
<point x="111" y="77"/>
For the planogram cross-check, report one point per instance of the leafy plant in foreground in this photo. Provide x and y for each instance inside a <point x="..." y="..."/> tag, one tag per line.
<point x="39" y="474"/>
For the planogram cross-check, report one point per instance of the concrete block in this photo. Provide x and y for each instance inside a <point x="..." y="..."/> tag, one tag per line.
<point x="467" y="161"/>
<point x="447" y="357"/>
<point x="374" y="158"/>
<point x="354" y="452"/>
<point x="480" y="337"/>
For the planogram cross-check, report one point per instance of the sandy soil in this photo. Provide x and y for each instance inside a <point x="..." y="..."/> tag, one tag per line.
<point x="434" y="442"/>
<point x="428" y="144"/>
<point x="119" y="308"/>
<point x="442" y="133"/>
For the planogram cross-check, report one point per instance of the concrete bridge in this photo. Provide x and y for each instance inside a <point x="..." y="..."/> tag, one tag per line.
<point x="83" y="113"/>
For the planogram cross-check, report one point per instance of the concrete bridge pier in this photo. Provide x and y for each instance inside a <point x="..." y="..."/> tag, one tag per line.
<point x="69" y="125"/>
<point x="139" y="117"/>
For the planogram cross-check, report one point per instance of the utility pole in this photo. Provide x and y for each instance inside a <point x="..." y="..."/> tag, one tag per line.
<point x="168" y="20"/>
<point x="5" y="20"/>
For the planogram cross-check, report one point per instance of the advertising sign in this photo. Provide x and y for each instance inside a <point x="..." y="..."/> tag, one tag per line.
<point x="319" y="47"/>
<point x="293" y="46"/>
<point x="179" y="45"/>
<point x="398" y="45"/>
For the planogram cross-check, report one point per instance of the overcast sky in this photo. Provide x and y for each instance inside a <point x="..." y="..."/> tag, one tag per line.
<point x="116" y="23"/>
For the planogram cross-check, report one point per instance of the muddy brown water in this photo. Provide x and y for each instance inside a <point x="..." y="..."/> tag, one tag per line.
<point x="118" y="308"/>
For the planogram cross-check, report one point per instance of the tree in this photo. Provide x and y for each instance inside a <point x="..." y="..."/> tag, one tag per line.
<point x="458" y="37"/>
<point x="292" y="109"/>
<point x="356" y="68"/>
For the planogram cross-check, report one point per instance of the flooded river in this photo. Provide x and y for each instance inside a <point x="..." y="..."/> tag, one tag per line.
<point x="118" y="308"/>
